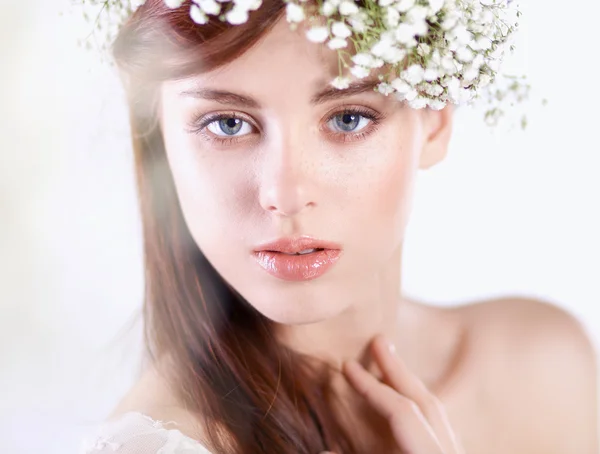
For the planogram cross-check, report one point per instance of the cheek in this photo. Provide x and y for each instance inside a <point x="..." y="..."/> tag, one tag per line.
<point x="387" y="192"/>
<point x="211" y="206"/>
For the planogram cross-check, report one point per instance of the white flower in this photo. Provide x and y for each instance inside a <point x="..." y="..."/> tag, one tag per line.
<point x="484" y="80"/>
<point x="423" y="49"/>
<point x="393" y="55"/>
<point x="417" y="14"/>
<point x="174" y="3"/>
<point x="385" y="89"/>
<point x="348" y="8"/>
<point x="483" y="43"/>
<point x="431" y="75"/>
<point x="340" y="30"/>
<point x="436" y="104"/>
<point x="405" y="33"/>
<point x="470" y="73"/>
<point x="381" y="47"/>
<point x="435" y="6"/>
<point x="421" y="28"/>
<point x="337" y="43"/>
<point x="404" y="5"/>
<point x="246" y="4"/>
<point x="236" y="16"/>
<point x="198" y="15"/>
<point x="377" y="63"/>
<point x="401" y="86"/>
<point x="465" y="54"/>
<point x="294" y="13"/>
<point x="317" y="34"/>
<point x="209" y="6"/>
<point x="414" y="74"/>
<point x="341" y="82"/>
<point x="433" y="90"/>
<point x="359" y="72"/>
<point x="328" y="8"/>
<point x="412" y="94"/>
<point x="392" y="17"/>
<point x="418" y="103"/>
<point x="363" y="59"/>
<point x="384" y="3"/>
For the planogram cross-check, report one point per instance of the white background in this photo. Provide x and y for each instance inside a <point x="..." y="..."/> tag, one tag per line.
<point x="508" y="212"/>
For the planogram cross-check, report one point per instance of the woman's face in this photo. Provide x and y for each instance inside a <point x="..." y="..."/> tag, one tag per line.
<point x="264" y="148"/>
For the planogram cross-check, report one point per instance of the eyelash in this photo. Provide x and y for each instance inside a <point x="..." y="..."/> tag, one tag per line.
<point x="199" y="125"/>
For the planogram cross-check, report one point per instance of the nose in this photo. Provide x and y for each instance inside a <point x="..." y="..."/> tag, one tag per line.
<point x="287" y="185"/>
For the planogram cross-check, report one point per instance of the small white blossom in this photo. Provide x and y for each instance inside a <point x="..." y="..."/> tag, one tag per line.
<point x="381" y="47"/>
<point x="418" y="103"/>
<point x="198" y="15"/>
<point x="414" y="74"/>
<point x="385" y="89"/>
<point x="405" y="33"/>
<point x="237" y="16"/>
<point x="465" y="54"/>
<point x="328" y="8"/>
<point x="174" y="3"/>
<point x="294" y="13"/>
<point x="337" y="43"/>
<point x="377" y="63"/>
<point x="417" y="14"/>
<point x="348" y="8"/>
<point x="341" y="82"/>
<point x="363" y="59"/>
<point x="317" y="34"/>
<point x="484" y="80"/>
<point x="392" y="17"/>
<point x="393" y="55"/>
<point x="423" y="49"/>
<point x="431" y="74"/>
<point x="435" y="6"/>
<point x="209" y="6"/>
<point x="360" y="72"/>
<point x="340" y="30"/>
<point x="436" y="104"/>
<point x="248" y="5"/>
<point x="404" y="5"/>
<point x="401" y="86"/>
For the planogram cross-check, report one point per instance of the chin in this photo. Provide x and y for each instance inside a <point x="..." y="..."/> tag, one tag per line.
<point x="297" y="313"/>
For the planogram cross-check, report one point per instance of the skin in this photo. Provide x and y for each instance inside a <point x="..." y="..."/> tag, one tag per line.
<point x="506" y="375"/>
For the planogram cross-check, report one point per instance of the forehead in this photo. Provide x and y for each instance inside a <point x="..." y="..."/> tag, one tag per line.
<point x="283" y="61"/>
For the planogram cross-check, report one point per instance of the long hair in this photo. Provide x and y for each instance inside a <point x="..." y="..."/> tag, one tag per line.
<point x="250" y="393"/>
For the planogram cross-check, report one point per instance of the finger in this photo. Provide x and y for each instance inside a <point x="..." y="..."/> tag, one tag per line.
<point x="398" y="376"/>
<point x="410" y="428"/>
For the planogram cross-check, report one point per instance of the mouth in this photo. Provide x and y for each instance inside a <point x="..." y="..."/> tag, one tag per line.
<point x="304" y="252"/>
<point x="298" y="259"/>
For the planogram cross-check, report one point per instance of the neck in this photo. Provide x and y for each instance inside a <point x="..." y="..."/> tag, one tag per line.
<point x="347" y="336"/>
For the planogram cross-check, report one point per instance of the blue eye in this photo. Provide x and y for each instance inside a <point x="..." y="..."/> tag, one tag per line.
<point x="229" y="126"/>
<point x="349" y="122"/>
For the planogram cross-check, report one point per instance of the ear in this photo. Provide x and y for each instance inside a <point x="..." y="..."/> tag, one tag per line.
<point x="437" y="132"/>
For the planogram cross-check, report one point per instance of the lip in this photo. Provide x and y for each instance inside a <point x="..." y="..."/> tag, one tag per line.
<point x="294" y="245"/>
<point x="274" y="259"/>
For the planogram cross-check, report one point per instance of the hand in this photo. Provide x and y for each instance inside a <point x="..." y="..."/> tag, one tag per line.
<point x="417" y="418"/>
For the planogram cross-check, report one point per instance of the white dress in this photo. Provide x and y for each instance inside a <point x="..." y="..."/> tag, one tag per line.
<point x="135" y="433"/>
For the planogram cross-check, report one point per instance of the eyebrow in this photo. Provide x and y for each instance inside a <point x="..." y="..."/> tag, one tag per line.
<point x="329" y="93"/>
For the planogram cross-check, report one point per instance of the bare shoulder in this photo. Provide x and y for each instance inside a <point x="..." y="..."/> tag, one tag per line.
<point x="540" y="356"/>
<point x="152" y="396"/>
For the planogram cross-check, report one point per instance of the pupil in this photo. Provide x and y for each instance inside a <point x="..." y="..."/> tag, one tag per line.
<point x="230" y="125"/>
<point x="348" y="122"/>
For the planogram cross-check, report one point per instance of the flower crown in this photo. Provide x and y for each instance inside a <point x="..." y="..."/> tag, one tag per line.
<point x="429" y="53"/>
